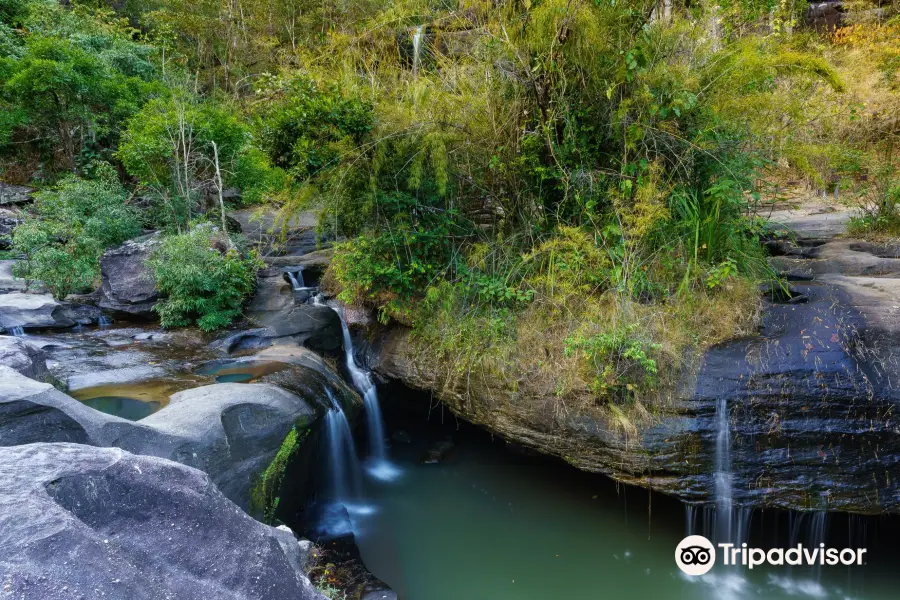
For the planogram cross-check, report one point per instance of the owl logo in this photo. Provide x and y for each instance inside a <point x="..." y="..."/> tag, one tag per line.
<point x="695" y="555"/>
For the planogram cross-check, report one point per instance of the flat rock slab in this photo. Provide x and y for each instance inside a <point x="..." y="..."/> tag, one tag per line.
<point x="82" y="522"/>
<point x="30" y="311"/>
<point x="813" y="219"/>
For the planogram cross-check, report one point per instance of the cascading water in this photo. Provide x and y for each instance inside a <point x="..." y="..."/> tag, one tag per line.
<point x="723" y="475"/>
<point x="104" y="321"/>
<point x="296" y="278"/>
<point x="16" y="331"/>
<point x="379" y="466"/>
<point x="418" y="34"/>
<point x="343" y="464"/>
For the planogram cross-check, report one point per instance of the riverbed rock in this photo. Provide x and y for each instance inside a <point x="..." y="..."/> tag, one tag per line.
<point x="31" y="411"/>
<point x="127" y="286"/>
<point x="33" y="311"/>
<point x="8" y="222"/>
<point x="84" y="522"/>
<point x="8" y="281"/>
<point x="317" y="327"/>
<point x="21" y="356"/>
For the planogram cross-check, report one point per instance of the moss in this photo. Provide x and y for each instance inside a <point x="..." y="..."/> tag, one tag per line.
<point x="266" y="494"/>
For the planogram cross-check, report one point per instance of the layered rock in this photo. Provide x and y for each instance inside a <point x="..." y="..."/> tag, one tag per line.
<point x="41" y="311"/>
<point x="809" y="404"/>
<point x="84" y="522"/>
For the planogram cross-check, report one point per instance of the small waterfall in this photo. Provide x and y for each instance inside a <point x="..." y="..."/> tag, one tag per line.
<point x="103" y="322"/>
<point x="723" y="476"/>
<point x="362" y="381"/>
<point x="343" y="464"/>
<point x="16" y="331"/>
<point x="296" y="278"/>
<point x="417" y="38"/>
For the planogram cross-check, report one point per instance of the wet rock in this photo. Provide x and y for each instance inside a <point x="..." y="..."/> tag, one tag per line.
<point x="438" y="452"/>
<point x="317" y="327"/>
<point x="127" y="286"/>
<point x="83" y="522"/>
<point x="33" y="311"/>
<point x="28" y="360"/>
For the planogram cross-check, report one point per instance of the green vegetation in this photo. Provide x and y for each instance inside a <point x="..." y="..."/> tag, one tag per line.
<point x="265" y="496"/>
<point x="203" y="278"/>
<point x="557" y="192"/>
<point x="72" y="224"/>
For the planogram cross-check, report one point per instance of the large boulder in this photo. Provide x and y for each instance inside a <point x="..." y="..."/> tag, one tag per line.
<point x="82" y="522"/>
<point x="279" y="317"/>
<point x="33" y="311"/>
<point x="231" y="431"/>
<point x="127" y="285"/>
<point x="22" y="357"/>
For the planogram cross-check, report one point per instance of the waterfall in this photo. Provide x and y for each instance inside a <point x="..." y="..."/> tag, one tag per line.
<point x="417" y="37"/>
<point x="362" y="381"/>
<point x="296" y="278"/>
<point x="16" y="331"/>
<point x="103" y="321"/>
<point x="343" y="464"/>
<point x="723" y="475"/>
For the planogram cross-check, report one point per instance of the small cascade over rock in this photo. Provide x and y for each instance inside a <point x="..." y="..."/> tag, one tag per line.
<point x="379" y="466"/>
<point x="103" y="321"/>
<point x="418" y="37"/>
<point x="296" y="278"/>
<point x="345" y="483"/>
<point x="16" y="331"/>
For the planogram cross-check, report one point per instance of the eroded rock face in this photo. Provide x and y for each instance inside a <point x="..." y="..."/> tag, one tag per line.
<point x="15" y="194"/>
<point x="22" y="357"/>
<point x="85" y="522"/>
<point x="128" y="286"/>
<point x="230" y="431"/>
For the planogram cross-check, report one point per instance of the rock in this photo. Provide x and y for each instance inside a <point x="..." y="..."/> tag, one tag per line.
<point x="33" y="311"/>
<point x="8" y="223"/>
<point x="15" y="194"/>
<point x="122" y="375"/>
<point x="83" y="522"/>
<point x="318" y="327"/>
<point x="17" y="354"/>
<point x="231" y="431"/>
<point x="37" y="412"/>
<point x="825" y="16"/>
<point x="438" y="452"/>
<point x="127" y="285"/>
<point x="80" y="314"/>
<point x="8" y="281"/>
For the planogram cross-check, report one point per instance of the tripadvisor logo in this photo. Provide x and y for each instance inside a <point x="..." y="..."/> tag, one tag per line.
<point x="695" y="555"/>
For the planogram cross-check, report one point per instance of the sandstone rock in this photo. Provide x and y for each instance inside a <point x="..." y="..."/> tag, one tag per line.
<point x="17" y="354"/>
<point x="84" y="522"/>
<point x="127" y="285"/>
<point x="33" y="311"/>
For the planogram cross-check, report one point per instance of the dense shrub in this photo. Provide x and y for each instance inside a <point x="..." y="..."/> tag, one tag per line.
<point x="202" y="278"/>
<point x="70" y="227"/>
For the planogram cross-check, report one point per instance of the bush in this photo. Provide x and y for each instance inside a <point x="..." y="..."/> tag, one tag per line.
<point x="203" y="279"/>
<point x="71" y="226"/>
